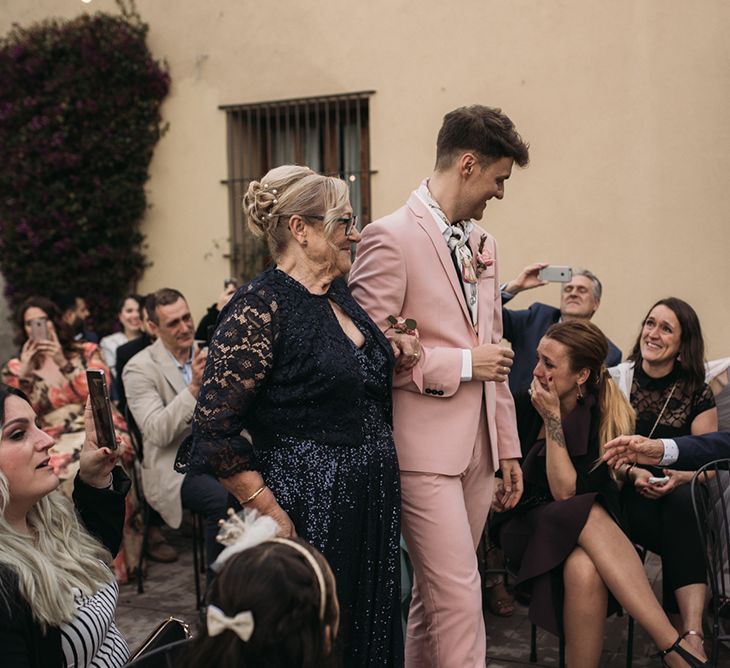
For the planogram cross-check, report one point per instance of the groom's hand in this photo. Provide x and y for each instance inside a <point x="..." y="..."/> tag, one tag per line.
<point x="491" y="362"/>
<point x="511" y="490"/>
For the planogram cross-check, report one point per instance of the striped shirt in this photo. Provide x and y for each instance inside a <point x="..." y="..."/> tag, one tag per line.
<point x="92" y="638"/>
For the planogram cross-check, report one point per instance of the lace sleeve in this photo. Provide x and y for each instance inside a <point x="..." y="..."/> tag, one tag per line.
<point x="239" y="360"/>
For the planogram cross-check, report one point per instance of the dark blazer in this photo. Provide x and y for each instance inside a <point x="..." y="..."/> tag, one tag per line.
<point x="125" y="353"/>
<point x="694" y="451"/>
<point x="23" y="644"/>
<point x="524" y="329"/>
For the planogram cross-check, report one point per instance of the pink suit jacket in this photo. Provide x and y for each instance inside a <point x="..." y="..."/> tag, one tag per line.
<point x="404" y="267"/>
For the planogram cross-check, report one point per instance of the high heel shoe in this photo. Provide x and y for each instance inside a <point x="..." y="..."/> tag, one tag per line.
<point x="691" y="659"/>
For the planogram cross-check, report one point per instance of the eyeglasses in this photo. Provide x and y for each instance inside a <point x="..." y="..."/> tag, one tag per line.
<point x="350" y="222"/>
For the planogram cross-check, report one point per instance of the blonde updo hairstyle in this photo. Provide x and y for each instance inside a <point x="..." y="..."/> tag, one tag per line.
<point x="288" y="190"/>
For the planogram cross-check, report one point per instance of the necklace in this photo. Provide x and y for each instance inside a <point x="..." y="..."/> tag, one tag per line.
<point x="664" y="407"/>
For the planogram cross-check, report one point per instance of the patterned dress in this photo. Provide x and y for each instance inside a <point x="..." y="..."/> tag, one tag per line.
<point x="318" y="411"/>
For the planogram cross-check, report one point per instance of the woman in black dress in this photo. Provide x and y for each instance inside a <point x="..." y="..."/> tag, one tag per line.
<point x="300" y="366"/>
<point x="665" y="380"/>
<point x="564" y="536"/>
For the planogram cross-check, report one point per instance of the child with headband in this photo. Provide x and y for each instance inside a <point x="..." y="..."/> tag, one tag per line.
<point x="273" y="603"/>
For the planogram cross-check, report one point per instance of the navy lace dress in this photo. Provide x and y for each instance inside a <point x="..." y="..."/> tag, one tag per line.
<point x="318" y="410"/>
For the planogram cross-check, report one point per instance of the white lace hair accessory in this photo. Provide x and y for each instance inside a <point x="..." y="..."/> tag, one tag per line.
<point x="247" y="529"/>
<point x="217" y="622"/>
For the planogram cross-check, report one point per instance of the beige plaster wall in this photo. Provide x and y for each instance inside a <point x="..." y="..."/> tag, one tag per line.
<point x="624" y="104"/>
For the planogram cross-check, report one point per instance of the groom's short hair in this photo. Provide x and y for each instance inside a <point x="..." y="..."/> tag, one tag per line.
<point x="485" y="130"/>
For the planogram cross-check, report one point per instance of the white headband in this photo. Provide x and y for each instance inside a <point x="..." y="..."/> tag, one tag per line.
<point x="247" y="529"/>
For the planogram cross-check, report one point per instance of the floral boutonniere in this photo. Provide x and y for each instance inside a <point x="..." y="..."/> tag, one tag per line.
<point x="482" y="259"/>
<point x="403" y="325"/>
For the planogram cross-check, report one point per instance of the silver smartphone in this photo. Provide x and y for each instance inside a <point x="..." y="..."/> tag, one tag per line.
<point x="101" y="407"/>
<point x="39" y="329"/>
<point x="555" y="274"/>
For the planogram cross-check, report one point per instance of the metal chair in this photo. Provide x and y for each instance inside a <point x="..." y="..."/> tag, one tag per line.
<point x="199" y="561"/>
<point x="164" y="657"/>
<point x="136" y="438"/>
<point x="710" y="490"/>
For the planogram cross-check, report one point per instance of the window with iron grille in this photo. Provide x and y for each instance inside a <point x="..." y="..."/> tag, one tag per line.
<point x="329" y="134"/>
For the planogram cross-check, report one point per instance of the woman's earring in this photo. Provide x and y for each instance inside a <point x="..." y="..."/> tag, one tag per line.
<point x="580" y="395"/>
<point x="304" y="242"/>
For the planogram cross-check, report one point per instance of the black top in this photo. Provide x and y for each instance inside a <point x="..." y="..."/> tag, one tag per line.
<point x="22" y="642"/>
<point x="648" y="396"/>
<point x="126" y="352"/>
<point x="268" y="372"/>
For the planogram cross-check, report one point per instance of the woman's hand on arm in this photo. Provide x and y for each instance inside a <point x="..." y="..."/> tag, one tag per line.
<point x="406" y="349"/>
<point x="244" y="485"/>
<point x="96" y="464"/>
<point x="560" y="471"/>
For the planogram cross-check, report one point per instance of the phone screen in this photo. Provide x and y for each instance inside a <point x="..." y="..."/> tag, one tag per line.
<point x="102" y="409"/>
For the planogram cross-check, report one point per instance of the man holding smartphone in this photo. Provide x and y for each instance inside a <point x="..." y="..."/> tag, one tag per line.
<point x="162" y="384"/>
<point x="580" y="298"/>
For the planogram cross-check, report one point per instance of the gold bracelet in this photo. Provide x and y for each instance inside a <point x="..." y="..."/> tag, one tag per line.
<point x="254" y="495"/>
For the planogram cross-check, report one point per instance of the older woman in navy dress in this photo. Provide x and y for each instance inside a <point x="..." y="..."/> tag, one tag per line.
<point x="301" y="367"/>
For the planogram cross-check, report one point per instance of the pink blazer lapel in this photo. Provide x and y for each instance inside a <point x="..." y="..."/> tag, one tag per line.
<point x="426" y="221"/>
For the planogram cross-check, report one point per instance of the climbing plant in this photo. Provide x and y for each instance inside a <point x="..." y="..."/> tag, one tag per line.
<point x="79" y="120"/>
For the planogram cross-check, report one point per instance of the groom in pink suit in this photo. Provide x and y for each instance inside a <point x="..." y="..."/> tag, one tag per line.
<point x="454" y="419"/>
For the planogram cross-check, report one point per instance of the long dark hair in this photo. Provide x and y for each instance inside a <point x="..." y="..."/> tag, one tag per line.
<point x="63" y="332"/>
<point x="5" y="392"/>
<point x="691" y="343"/>
<point x="279" y="587"/>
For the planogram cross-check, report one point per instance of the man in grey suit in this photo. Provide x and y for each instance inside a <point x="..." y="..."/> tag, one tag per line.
<point x="162" y="384"/>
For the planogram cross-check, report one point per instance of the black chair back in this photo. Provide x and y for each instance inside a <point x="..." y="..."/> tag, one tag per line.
<point x="135" y="435"/>
<point x="710" y="489"/>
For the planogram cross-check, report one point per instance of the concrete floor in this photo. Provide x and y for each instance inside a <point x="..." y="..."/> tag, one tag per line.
<point x="169" y="590"/>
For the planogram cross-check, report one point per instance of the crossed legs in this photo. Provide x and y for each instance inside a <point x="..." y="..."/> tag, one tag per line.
<point x="605" y="560"/>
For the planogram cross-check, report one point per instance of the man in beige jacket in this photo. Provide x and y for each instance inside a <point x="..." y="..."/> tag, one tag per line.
<point x="162" y="383"/>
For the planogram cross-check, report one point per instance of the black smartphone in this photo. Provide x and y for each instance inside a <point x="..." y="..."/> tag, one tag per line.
<point x="101" y="407"/>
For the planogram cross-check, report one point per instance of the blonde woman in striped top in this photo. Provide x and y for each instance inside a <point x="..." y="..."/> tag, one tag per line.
<point x="57" y="593"/>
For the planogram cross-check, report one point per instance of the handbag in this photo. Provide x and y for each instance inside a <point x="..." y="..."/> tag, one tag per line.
<point x="167" y="632"/>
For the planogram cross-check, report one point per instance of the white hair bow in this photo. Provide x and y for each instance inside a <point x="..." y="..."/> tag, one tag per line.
<point x="241" y="624"/>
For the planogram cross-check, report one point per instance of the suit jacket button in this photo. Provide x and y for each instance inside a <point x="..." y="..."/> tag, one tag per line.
<point x="429" y="390"/>
<point x="440" y="393"/>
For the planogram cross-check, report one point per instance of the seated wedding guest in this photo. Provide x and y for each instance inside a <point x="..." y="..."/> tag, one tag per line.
<point x="272" y="605"/>
<point x="128" y="315"/>
<point x="684" y="453"/>
<point x="58" y="595"/>
<point x="162" y="383"/>
<point x="579" y="300"/>
<point x="297" y="363"/>
<point x="664" y="379"/>
<point x="210" y="318"/>
<point x="564" y="537"/>
<point x="75" y="314"/>
<point x="127" y="351"/>
<point x="51" y="371"/>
